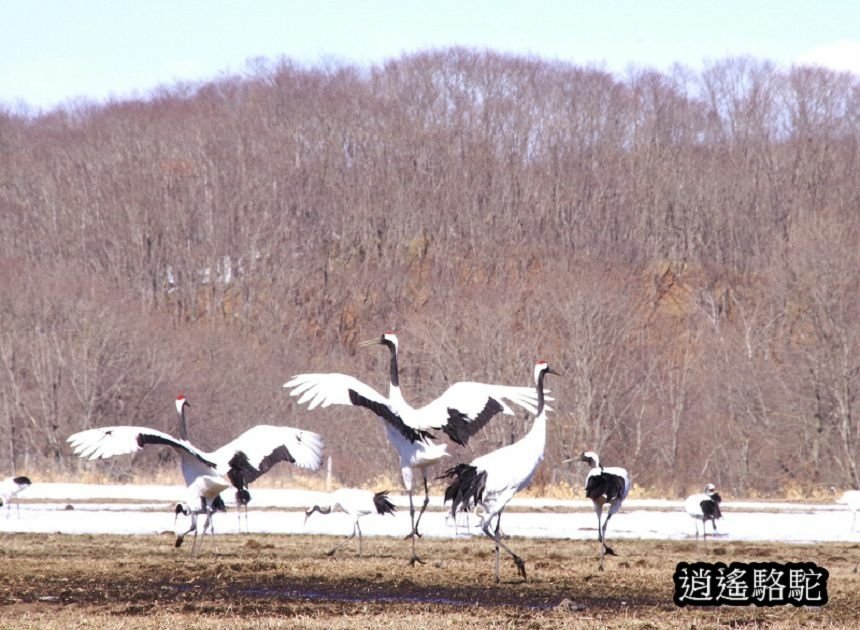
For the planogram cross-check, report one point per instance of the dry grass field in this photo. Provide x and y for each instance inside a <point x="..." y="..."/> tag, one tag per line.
<point x="110" y="582"/>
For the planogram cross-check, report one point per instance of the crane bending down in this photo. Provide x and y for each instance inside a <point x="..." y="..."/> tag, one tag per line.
<point x="9" y="489"/>
<point x="205" y="508"/>
<point x="604" y="485"/>
<point x="460" y="412"/>
<point x="356" y="503"/>
<point x="206" y="475"/>
<point x="492" y="480"/>
<point x="704" y="506"/>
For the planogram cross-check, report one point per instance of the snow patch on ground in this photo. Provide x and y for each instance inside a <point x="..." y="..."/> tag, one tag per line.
<point x="142" y="509"/>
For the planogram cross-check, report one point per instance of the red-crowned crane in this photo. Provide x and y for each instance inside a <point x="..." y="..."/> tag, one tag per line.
<point x="490" y="481"/>
<point x="604" y="485"/>
<point x="704" y="506"/>
<point x="462" y="410"/>
<point x="238" y="463"/>
<point x="9" y="489"/>
<point x="356" y="503"/>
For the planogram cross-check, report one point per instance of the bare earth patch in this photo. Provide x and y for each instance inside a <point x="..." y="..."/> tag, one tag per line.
<point x="59" y="581"/>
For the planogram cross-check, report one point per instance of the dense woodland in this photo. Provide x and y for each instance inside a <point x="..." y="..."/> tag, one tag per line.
<point x="682" y="246"/>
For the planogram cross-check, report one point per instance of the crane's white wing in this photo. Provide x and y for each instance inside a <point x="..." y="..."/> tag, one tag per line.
<point x="259" y="448"/>
<point x="340" y="389"/>
<point x="466" y="407"/>
<point x="106" y="442"/>
<point x="330" y="389"/>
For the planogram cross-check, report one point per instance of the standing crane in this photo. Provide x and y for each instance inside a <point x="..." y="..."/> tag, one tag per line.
<point x="9" y="489"/>
<point x="461" y="411"/>
<point x="604" y="485"/>
<point x="490" y="481"/>
<point x="206" y="475"/>
<point x="356" y="503"/>
<point x="704" y="506"/>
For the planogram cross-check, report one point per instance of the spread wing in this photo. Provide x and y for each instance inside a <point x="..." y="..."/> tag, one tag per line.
<point x="106" y="442"/>
<point x="466" y="407"/>
<point x="322" y="390"/>
<point x="258" y="449"/>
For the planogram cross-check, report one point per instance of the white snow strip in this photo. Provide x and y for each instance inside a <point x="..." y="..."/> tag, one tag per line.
<point x="140" y="509"/>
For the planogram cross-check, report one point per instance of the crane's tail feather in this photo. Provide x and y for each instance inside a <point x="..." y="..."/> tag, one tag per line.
<point x="382" y="504"/>
<point x="466" y="489"/>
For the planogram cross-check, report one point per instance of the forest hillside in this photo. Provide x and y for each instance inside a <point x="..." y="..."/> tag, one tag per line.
<point x="682" y="247"/>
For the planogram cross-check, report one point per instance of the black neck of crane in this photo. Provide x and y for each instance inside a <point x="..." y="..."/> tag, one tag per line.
<point x="540" y="391"/>
<point x="183" y="429"/>
<point x="395" y="381"/>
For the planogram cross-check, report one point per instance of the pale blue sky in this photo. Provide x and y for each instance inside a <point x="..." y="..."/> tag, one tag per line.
<point x="55" y="50"/>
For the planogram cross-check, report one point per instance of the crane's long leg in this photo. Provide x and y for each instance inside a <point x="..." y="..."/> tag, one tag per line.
<point x="498" y="526"/>
<point x="424" y="505"/>
<point x="598" y="509"/>
<point x="358" y="528"/>
<point x="192" y="527"/>
<point x="345" y="540"/>
<point x="521" y="566"/>
<point x="207" y="524"/>
<point x="605" y="550"/>
<point x="605" y="524"/>
<point x="412" y="534"/>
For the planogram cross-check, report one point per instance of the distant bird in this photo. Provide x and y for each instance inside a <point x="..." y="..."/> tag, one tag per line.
<point x="208" y="474"/>
<point x="851" y="498"/>
<point x="704" y="506"/>
<point x="490" y="481"/>
<point x="461" y="411"/>
<point x="604" y="485"/>
<point x="356" y="503"/>
<point x="217" y="505"/>
<point x="9" y="489"/>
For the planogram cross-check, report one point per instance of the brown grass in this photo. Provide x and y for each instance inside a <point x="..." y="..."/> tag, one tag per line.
<point x="54" y="581"/>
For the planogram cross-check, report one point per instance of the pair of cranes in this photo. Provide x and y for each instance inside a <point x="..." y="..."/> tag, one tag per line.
<point x="461" y="411"/>
<point x="207" y="475"/>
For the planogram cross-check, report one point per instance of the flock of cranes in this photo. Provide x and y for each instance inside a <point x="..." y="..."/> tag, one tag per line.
<point x="461" y="411"/>
<point x="484" y="486"/>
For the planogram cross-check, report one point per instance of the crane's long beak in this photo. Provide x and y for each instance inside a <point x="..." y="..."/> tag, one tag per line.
<point x="551" y="371"/>
<point x="369" y="342"/>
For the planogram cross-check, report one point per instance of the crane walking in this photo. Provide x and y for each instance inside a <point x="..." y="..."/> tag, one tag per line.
<point x="490" y="481"/>
<point x="604" y="485"/>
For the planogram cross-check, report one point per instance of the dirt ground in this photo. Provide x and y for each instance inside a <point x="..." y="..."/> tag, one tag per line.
<point x="59" y="581"/>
